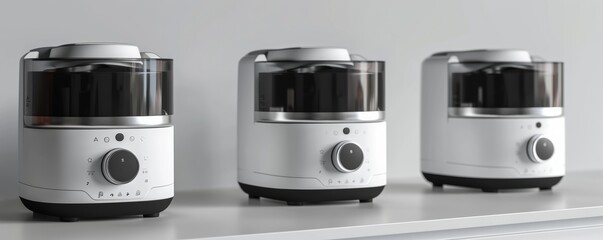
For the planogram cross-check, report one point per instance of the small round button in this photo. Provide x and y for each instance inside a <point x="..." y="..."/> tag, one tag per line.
<point x="346" y="131"/>
<point x="120" y="166"/>
<point x="347" y="156"/>
<point x="540" y="148"/>
<point x="119" y="137"/>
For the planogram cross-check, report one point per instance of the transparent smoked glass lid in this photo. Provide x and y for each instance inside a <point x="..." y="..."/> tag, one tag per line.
<point x="97" y="87"/>
<point x="320" y="87"/>
<point x="531" y="88"/>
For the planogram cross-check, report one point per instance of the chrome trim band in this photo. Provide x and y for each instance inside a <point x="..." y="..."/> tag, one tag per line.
<point x="97" y="122"/>
<point x="319" y="117"/>
<point x="506" y="112"/>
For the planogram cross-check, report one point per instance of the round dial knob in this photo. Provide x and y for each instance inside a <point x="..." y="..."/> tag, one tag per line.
<point x="347" y="156"/>
<point x="540" y="148"/>
<point x="120" y="166"/>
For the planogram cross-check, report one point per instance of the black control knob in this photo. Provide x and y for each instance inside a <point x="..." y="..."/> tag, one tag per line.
<point x="540" y="148"/>
<point x="120" y="166"/>
<point x="347" y="156"/>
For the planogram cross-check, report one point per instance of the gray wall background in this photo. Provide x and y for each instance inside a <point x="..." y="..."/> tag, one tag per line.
<point x="207" y="38"/>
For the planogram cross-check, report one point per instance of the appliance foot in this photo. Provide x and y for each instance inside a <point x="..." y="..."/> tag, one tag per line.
<point x="253" y="197"/>
<point x="152" y="215"/>
<point x="489" y="190"/>
<point x="366" y="200"/>
<point x="69" y="219"/>
<point x="438" y="185"/>
<point x="546" y="188"/>
<point x="295" y="203"/>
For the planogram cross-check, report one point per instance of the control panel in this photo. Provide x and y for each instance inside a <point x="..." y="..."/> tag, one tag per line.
<point x="353" y="156"/>
<point x="120" y="167"/>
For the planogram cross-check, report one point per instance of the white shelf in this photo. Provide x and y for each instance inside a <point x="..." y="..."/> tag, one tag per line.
<point x="409" y="206"/>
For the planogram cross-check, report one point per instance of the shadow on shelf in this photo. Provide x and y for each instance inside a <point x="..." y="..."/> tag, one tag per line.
<point x="427" y="188"/>
<point x="12" y="210"/>
<point x="230" y="198"/>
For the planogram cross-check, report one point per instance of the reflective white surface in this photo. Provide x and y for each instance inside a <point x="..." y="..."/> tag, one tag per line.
<point x="411" y="206"/>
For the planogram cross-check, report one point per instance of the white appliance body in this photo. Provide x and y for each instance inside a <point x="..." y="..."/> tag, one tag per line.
<point x="293" y="160"/>
<point x="487" y="151"/>
<point x="299" y="156"/>
<point x="76" y="167"/>
<point x="64" y="165"/>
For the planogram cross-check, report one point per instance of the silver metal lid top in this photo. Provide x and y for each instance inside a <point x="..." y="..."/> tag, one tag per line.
<point x="90" y="51"/>
<point x="95" y="50"/>
<point x="308" y="54"/>
<point x="489" y="55"/>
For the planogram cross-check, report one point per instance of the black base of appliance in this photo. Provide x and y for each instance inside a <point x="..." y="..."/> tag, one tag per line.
<point x="295" y="197"/>
<point x="68" y="212"/>
<point x="492" y="184"/>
